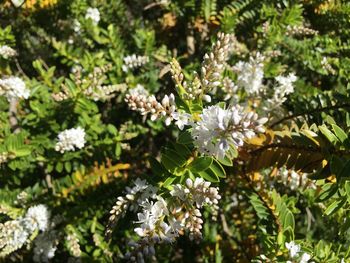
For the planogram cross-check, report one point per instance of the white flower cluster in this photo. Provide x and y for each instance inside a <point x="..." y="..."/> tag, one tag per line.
<point x="37" y="217"/>
<point x="134" y="197"/>
<point x="76" y="26"/>
<point x="15" y="233"/>
<point x="163" y="220"/>
<point x="134" y="61"/>
<point x="294" y="252"/>
<point x="70" y="139"/>
<point x="219" y="129"/>
<point x="139" y="100"/>
<point x="73" y="244"/>
<point x="93" y="14"/>
<point x="285" y="86"/>
<point x="326" y="66"/>
<point x="192" y="197"/>
<point x="214" y="62"/>
<point x="230" y="89"/>
<point x="300" y="30"/>
<point x="7" y="52"/>
<point x="250" y="74"/>
<point x="13" y="88"/>
<point x="295" y="180"/>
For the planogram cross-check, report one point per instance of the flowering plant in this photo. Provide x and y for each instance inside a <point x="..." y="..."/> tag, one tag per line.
<point x="216" y="131"/>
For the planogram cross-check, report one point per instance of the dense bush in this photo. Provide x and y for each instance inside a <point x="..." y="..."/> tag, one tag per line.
<point x="174" y="131"/>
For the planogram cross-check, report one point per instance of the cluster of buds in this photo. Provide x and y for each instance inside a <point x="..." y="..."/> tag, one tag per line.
<point x="149" y="105"/>
<point x="73" y="244"/>
<point x="191" y="198"/>
<point x="91" y="85"/>
<point x="230" y="89"/>
<point x="162" y="221"/>
<point x="12" y="236"/>
<point x="134" y="196"/>
<point x="272" y="53"/>
<point x="7" y="52"/>
<point x="188" y="92"/>
<point x="134" y="61"/>
<point x="214" y="62"/>
<point x="266" y="28"/>
<point x="17" y="232"/>
<point x="327" y="67"/>
<point x="294" y="180"/>
<point x="106" y="92"/>
<point x="300" y="31"/>
<point x="4" y="156"/>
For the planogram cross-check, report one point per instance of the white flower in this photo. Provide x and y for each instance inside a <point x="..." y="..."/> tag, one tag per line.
<point x="13" y="235"/>
<point x="138" y="90"/>
<point x="305" y="258"/>
<point x="7" y="52"/>
<point x="13" y="88"/>
<point x="293" y="249"/>
<point x="179" y="192"/>
<point x="250" y="74"/>
<point x="220" y="129"/>
<point x="93" y="14"/>
<point x="285" y="85"/>
<point x="70" y="139"/>
<point x="76" y="26"/>
<point x="37" y="217"/>
<point x="182" y="119"/>
<point x="134" y="61"/>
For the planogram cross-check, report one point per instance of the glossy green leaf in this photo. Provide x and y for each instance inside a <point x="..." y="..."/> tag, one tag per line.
<point x="200" y="164"/>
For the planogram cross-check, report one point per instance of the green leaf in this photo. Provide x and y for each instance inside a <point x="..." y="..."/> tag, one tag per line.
<point x="218" y="169"/>
<point x="289" y="220"/>
<point x="328" y="190"/>
<point x="118" y="150"/>
<point x="339" y="133"/>
<point x="208" y="175"/>
<point x="68" y="166"/>
<point x="347" y="189"/>
<point x="345" y="172"/>
<point x="328" y="134"/>
<point x="59" y="167"/>
<point x="112" y="130"/>
<point x="182" y="150"/>
<point x="335" y="206"/>
<point x="174" y="156"/>
<point x="226" y="161"/>
<point x="168" y="182"/>
<point x="200" y="164"/>
<point x="21" y="152"/>
<point x="185" y="138"/>
<point x="157" y="167"/>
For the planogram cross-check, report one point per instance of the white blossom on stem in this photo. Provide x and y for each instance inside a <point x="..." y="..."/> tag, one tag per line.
<point x="220" y="129"/>
<point x="250" y="74"/>
<point x="134" y="61"/>
<point x="37" y="217"/>
<point x="93" y="14"/>
<point x="13" y="88"/>
<point x="293" y="249"/>
<point x="7" y="52"/>
<point x="70" y="139"/>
